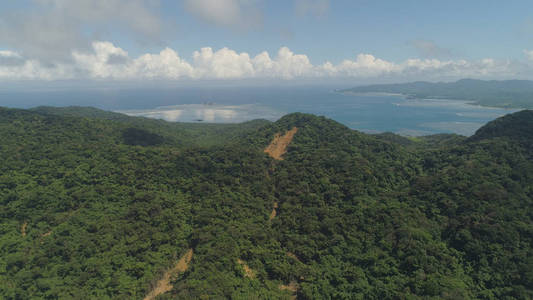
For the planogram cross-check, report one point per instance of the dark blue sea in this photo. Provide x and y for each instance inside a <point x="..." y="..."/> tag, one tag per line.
<point x="223" y="104"/>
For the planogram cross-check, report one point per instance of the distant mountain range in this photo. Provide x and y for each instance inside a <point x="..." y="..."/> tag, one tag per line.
<point x="506" y="93"/>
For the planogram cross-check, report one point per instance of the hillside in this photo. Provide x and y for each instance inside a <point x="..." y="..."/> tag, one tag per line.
<point x="189" y="134"/>
<point x="99" y="205"/>
<point x="506" y="93"/>
<point x="515" y="126"/>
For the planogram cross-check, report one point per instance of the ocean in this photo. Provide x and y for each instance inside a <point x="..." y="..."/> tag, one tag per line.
<point x="223" y="104"/>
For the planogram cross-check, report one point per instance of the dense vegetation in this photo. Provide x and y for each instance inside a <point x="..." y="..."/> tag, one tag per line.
<point x="506" y="93"/>
<point x="99" y="205"/>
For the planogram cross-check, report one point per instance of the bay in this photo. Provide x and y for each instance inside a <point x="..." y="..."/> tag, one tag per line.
<point x="232" y="104"/>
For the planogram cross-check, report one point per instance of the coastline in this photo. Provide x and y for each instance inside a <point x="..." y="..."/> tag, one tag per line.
<point x="433" y="98"/>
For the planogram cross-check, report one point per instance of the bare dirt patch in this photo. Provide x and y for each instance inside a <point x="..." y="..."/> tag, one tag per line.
<point x="163" y="285"/>
<point x="292" y="287"/>
<point x="274" y="212"/>
<point x="279" y="145"/>
<point x="23" y="228"/>
<point x="248" y="272"/>
<point x="45" y="235"/>
<point x="293" y="256"/>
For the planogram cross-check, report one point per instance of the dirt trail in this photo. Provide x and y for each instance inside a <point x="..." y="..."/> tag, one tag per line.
<point x="23" y="228"/>
<point x="293" y="256"/>
<point x="279" y="145"/>
<point x="292" y="287"/>
<point x="163" y="285"/>
<point x="248" y="272"/>
<point x="274" y="212"/>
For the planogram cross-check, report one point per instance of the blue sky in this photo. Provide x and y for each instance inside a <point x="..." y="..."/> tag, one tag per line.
<point x="471" y="29"/>
<point x="331" y="39"/>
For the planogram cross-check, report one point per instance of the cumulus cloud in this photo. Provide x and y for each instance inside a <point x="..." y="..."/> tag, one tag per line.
<point x="97" y="64"/>
<point x="224" y="63"/>
<point x="106" y="61"/>
<point x="290" y="65"/>
<point x="365" y="65"/>
<point x="285" y="65"/>
<point x="50" y="30"/>
<point x="231" y="13"/>
<point x="34" y="70"/>
<point x="165" y="65"/>
<point x="10" y="58"/>
<point x="433" y="68"/>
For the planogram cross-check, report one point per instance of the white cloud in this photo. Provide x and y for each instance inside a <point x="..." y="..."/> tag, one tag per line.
<point x="232" y="13"/>
<point x="224" y="63"/>
<point x="165" y="65"/>
<point x="10" y="58"/>
<point x="365" y="65"/>
<point x="286" y="65"/>
<point x="33" y="70"/>
<point x="107" y="61"/>
<point x="96" y="64"/>
<point x="434" y="68"/>
<point x="290" y="65"/>
<point x="51" y="29"/>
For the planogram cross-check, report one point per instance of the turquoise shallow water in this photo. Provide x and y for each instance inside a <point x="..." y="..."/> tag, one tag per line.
<point x="369" y="113"/>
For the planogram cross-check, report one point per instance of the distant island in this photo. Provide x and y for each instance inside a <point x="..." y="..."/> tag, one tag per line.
<point x="505" y="94"/>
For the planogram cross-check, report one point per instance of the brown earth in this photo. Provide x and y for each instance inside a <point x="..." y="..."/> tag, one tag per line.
<point x="163" y="285"/>
<point x="274" y="212"/>
<point x="292" y="287"/>
<point x="279" y="145"/>
<point x="45" y="235"/>
<point x="248" y="272"/>
<point x="293" y="256"/>
<point x="23" y="228"/>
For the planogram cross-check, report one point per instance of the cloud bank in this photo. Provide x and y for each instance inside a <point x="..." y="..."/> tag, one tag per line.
<point x="50" y="29"/>
<point x="109" y="62"/>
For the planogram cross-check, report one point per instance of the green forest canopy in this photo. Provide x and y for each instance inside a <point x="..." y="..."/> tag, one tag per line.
<point x="99" y="205"/>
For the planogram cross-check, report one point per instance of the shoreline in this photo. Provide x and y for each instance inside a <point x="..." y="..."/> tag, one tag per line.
<point x="434" y="98"/>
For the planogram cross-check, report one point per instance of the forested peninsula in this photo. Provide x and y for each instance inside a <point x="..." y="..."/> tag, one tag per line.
<point x="503" y="93"/>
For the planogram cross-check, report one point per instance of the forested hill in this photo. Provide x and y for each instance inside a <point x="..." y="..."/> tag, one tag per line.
<point x="96" y="205"/>
<point x="515" y="126"/>
<point x="505" y="93"/>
